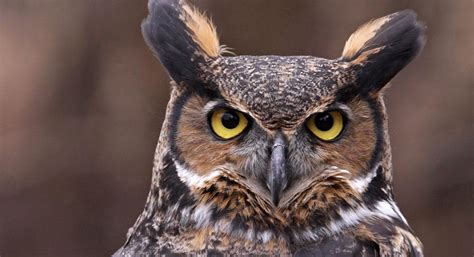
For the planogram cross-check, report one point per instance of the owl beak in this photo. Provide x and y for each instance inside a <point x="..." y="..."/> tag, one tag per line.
<point x="277" y="179"/>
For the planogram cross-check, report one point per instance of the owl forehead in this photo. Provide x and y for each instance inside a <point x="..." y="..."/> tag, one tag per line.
<point x="279" y="91"/>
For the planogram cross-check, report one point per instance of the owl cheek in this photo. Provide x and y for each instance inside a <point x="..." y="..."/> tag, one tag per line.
<point x="200" y="153"/>
<point x="353" y="154"/>
<point x="192" y="144"/>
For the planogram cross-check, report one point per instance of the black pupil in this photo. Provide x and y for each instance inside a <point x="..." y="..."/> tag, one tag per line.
<point x="324" y="121"/>
<point x="230" y="119"/>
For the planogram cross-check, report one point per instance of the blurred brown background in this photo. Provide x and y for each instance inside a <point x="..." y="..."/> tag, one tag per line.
<point x="82" y="100"/>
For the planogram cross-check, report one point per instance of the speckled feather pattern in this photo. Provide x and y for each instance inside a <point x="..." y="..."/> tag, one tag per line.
<point x="280" y="91"/>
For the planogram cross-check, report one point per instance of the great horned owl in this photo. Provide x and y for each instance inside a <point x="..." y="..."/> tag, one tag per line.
<point x="274" y="155"/>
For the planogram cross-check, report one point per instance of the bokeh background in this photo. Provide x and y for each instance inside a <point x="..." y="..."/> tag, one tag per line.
<point x="82" y="100"/>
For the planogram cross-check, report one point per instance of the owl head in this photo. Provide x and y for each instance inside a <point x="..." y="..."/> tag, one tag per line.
<point x="259" y="146"/>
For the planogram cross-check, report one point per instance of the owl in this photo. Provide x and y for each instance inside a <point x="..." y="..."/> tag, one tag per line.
<point x="273" y="155"/>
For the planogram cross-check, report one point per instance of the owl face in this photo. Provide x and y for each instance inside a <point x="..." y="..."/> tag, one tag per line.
<point x="274" y="141"/>
<point x="277" y="143"/>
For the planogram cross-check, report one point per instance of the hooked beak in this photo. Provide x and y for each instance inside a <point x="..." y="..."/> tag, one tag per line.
<point x="277" y="179"/>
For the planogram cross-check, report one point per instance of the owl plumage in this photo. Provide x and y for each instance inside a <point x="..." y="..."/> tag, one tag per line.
<point x="274" y="155"/>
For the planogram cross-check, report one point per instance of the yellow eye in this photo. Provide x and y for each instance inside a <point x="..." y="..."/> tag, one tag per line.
<point x="227" y="123"/>
<point x="326" y="126"/>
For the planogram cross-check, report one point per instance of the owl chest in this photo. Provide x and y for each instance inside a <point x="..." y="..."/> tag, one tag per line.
<point x="194" y="244"/>
<point x="212" y="243"/>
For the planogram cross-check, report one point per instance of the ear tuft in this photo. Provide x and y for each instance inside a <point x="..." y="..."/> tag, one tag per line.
<point x="361" y="37"/>
<point x="202" y="30"/>
<point x="398" y="30"/>
<point x="182" y="37"/>
<point x="378" y="50"/>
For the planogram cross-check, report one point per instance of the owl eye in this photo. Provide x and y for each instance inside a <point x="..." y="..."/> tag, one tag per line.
<point x="327" y="126"/>
<point x="227" y="123"/>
